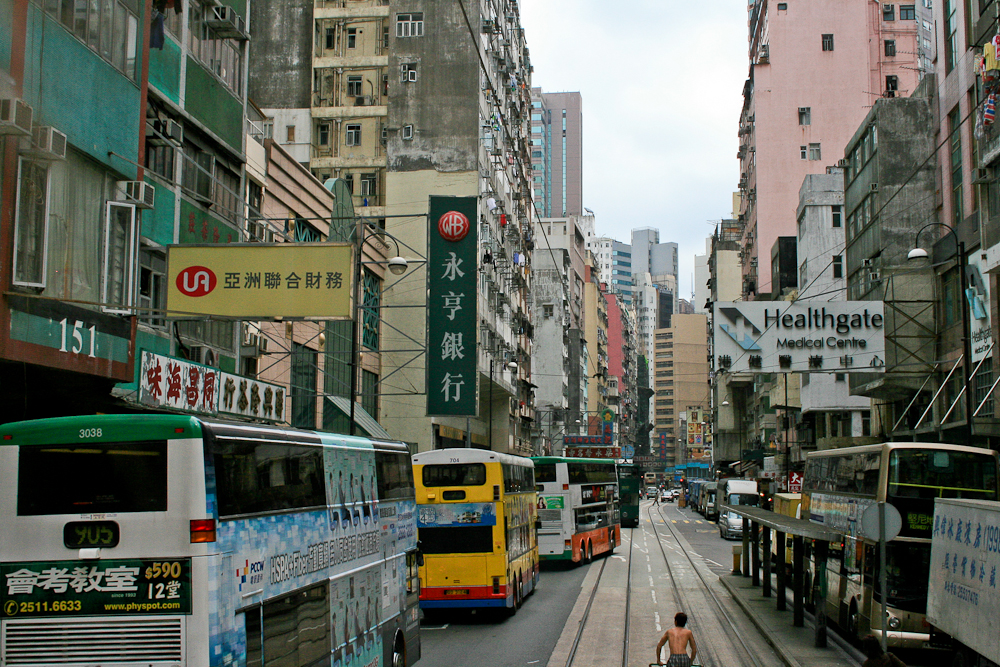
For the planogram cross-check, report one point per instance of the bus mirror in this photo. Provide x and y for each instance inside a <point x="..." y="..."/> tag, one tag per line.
<point x="420" y="559"/>
<point x="538" y="524"/>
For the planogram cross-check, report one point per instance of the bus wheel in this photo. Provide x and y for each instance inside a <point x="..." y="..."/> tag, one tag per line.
<point x="590" y="553"/>
<point x="398" y="652"/>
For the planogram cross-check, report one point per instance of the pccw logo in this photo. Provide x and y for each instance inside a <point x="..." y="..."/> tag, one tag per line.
<point x="196" y="281"/>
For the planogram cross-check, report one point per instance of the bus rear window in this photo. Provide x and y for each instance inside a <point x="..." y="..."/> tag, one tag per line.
<point x="456" y="540"/>
<point x="455" y="474"/>
<point x="929" y="473"/>
<point x="106" y="478"/>
<point x="545" y="472"/>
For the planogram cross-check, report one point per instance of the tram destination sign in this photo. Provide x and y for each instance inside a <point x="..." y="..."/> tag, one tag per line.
<point x="799" y="337"/>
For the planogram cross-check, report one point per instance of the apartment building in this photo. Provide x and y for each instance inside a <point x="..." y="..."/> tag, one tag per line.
<point x="557" y="152"/>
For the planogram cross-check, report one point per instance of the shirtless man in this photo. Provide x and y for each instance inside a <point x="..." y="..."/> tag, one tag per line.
<point x="678" y="638"/>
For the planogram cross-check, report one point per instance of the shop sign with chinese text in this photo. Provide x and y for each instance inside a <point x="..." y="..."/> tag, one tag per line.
<point x="260" y="281"/>
<point x="167" y="382"/>
<point x="95" y="588"/>
<point x="799" y="337"/>
<point x="452" y="281"/>
<point x="594" y="452"/>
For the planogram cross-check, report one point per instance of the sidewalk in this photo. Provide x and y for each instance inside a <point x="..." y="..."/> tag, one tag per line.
<point x="793" y="645"/>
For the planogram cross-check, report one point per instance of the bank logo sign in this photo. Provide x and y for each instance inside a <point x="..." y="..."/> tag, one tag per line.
<point x="799" y="337"/>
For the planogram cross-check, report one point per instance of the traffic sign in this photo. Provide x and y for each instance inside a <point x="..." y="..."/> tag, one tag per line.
<point x="869" y="522"/>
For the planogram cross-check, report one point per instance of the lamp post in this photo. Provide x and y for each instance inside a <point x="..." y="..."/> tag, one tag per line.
<point x="512" y="365"/>
<point x="919" y="253"/>
<point x="397" y="266"/>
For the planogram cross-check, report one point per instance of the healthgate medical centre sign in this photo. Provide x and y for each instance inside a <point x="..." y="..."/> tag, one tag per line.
<point x="799" y="337"/>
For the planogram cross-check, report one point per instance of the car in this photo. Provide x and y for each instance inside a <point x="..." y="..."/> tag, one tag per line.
<point x="730" y="525"/>
<point x="668" y="496"/>
<point x="650" y="491"/>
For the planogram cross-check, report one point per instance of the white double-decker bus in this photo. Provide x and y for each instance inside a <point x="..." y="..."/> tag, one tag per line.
<point x="578" y="507"/>
<point x="172" y="540"/>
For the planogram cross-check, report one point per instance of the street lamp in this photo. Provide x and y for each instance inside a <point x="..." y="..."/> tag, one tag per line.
<point x="512" y="365"/>
<point x="920" y="253"/>
<point x="397" y="266"/>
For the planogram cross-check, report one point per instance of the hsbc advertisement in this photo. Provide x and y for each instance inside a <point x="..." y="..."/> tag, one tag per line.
<point x="799" y="337"/>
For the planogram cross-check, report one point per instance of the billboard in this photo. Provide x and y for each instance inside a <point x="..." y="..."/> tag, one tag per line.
<point x="452" y="317"/>
<point x="799" y="337"/>
<point x="261" y="281"/>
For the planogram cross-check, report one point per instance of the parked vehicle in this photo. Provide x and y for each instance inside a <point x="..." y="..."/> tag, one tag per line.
<point x="711" y="503"/>
<point x="786" y="504"/>
<point x="732" y="491"/>
<point x="962" y="598"/>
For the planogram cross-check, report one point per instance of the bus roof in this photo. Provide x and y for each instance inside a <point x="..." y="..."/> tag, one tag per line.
<point x="568" y="459"/>
<point x="469" y="455"/>
<point x="887" y="446"/>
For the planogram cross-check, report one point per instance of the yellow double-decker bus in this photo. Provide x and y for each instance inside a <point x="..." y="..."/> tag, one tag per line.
<point x="476" y="518"/>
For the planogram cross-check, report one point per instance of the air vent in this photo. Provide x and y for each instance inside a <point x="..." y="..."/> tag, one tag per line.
<point x="91" y="641"/>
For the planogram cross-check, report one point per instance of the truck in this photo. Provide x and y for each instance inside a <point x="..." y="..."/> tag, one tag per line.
<point x="786" y="504"/>
<point x="734" y="491"/>
<point x="963" y="601"/>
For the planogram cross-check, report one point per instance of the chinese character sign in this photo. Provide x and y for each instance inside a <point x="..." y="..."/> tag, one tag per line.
<point x="257" y="280"/>
<point x="452" y="274"/>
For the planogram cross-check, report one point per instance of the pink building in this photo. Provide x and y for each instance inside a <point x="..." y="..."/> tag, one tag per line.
<point x="816" y="68"/>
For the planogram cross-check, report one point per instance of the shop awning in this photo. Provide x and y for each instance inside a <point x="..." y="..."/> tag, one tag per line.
<point x="364" y="421"/>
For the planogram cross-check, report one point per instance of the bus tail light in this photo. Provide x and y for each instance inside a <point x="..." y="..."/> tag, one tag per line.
<point x="496" y="585"/>
<point x="202" y="530"/>
<point x="567" y="544"/>
<point x="496" y="492"/>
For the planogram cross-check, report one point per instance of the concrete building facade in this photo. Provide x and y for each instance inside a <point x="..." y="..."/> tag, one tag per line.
<point x="795" y="121"/>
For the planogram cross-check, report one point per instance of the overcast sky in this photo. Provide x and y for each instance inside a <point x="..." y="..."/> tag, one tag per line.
<point x="662" y="84"/>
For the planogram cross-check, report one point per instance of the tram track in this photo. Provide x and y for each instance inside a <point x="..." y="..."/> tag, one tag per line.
<point x="683" y="602"/>
<point x="737" y="650"/>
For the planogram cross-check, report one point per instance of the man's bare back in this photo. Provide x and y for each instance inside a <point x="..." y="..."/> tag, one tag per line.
<point x="677" y="640"/>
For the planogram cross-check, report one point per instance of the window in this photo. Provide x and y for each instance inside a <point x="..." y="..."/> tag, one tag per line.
<point x="890" y="47"/>
<point x="160" y="159"/>
<point x="891" y="85"/>
<point x="837" y="212"/>
<point x="119" y="257"/>
<point x="888" y="12"/>
<point x="804" y="152"/>
<point x="354" y="87"/>
<point x="353" y="135"/>
<point x="352" y="38"/>
<point x="782" y="6"/>
<point x="331" y="38"/>
<point x="828" y="42"/>
<point x="950" y="35"/>
<point x="410" y="25"/>
<point x="369" y="185"/>
<point x="323" y="135"/>
<point x="838" y="266"/>
<point x="805" y="116"/>
<point x="907" y="13"/>
<point x="954" y="123"/>
<point x="408" y="72"/>
<point x="152" y="286"/>
<point x="548" y="310"/>
<point x="31" y="230"/>
<point x="407" y="133"/>
<point x="303" y="387"/>
<point x="221" y="56"/>
<point x="814" y="152"/>
<point x="290" y="134"/>
<point x="110" y="29"/>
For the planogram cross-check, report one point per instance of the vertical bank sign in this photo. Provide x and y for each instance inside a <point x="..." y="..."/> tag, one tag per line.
<point x="452" y="275"/>
<point x="799" y="337"/>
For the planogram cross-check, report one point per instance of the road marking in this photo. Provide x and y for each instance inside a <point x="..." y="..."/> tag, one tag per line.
<point x="654" y="596"/>
<point x="709" y="560"/>
<point x="699" y="521"/>
<point x="431" y="627"/>
<point x="651" y="582"/>
<point x="656" y="617"/>
<point x="686" y="521"/>
<point x="674" y="520"/>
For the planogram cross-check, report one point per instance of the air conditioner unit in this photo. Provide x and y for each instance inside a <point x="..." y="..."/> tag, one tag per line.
<point x="47" y="143"/>
<point x="136" y="192"/>
<point x="866" y="262"/>
<point x="363" y="101"/>
<point x="886" y="9"/>
<point x="15" y="116"/>
<point x="843" y="162"/>
<point x="227" y="23"/>
<point x="873" y="276"/>
<point x="201" y="354"/>
<point x="874" y="187"/>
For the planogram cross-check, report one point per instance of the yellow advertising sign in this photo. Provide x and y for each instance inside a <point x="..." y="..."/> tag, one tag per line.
<point x="259" y="281"/>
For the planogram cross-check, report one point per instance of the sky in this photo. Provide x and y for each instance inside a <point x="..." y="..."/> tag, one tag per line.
<point x="662" y="87"/>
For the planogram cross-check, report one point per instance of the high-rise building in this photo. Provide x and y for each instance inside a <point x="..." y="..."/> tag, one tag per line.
<point x="557" y="152"/>
<point x="795" y="121"/>
<point x="461" y="129"/>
